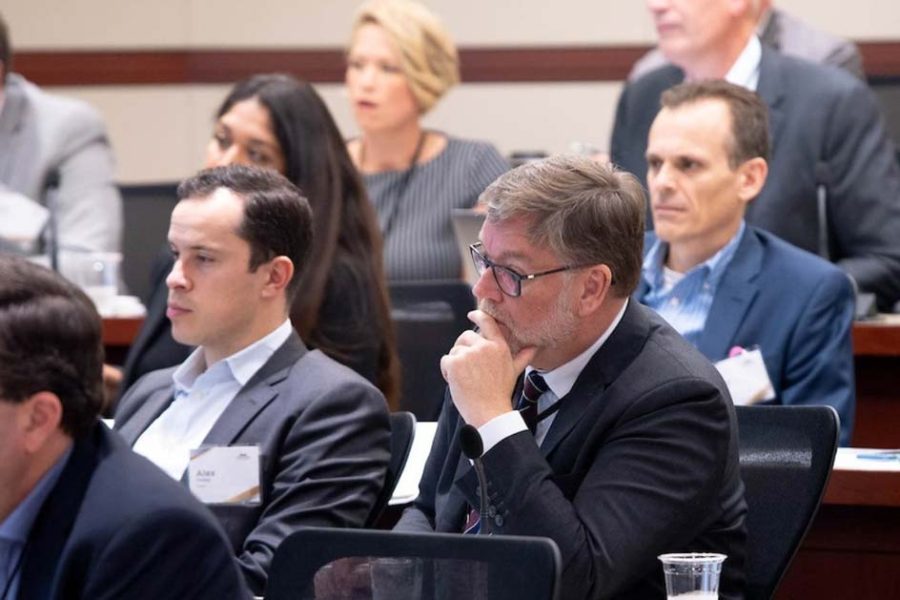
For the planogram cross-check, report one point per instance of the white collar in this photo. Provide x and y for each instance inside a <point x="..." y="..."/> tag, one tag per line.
<point x="745" y="70"/>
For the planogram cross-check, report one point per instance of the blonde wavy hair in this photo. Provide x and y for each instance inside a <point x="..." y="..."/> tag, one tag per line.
<point x="428" y="55"/>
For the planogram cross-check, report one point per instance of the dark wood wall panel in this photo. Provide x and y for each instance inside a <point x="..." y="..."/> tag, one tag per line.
<point x="326" y="65"/>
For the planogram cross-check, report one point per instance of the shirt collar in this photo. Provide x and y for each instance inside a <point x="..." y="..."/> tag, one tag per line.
<point x="17" y="525"/>
<point x="241" y="365"/>
<point x="745" y="70"/>
<point x="652" y="268"/>
<point x="561" y="379"/>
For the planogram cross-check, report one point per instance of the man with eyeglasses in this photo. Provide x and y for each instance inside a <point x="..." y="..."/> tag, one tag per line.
<point x="602" y="428"/>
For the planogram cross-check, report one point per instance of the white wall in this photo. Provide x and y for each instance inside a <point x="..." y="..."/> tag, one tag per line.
<point x="159" y="132"/>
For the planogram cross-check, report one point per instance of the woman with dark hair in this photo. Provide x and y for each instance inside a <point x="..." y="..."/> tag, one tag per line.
<point x="277" y="122"/>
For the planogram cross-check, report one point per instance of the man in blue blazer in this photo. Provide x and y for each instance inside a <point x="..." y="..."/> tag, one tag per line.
<point x="624" y="444"/>
<point x="240" y="236"/>
<point x="833" y="183"/>
<point x="81" y="515"/>
<point x="726" y="286"/>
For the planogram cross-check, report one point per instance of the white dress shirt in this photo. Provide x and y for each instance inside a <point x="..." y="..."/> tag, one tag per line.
<point x="201" y="396"/>
<point x="559" y="382"/>
<point x="745" y="70"/>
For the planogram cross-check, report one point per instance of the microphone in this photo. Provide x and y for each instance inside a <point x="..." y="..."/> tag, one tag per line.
<point x="51" y="189"/>
<point x="823" y="181"/>
<point x="472" y="446"/>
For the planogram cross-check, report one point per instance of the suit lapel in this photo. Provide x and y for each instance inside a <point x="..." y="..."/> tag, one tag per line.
<point x="157" y="402"/>
<point x="771" y="90"/>
<point x="256" y="393"/>
<point x="736" y="292"/>
<point x="56" y="519"/>
<point x="608" y="362"/>
<point x="11" y="118"/>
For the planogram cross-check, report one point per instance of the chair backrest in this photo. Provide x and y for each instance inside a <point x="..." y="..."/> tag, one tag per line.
<point x="146" y="211"/>
<point x="403" y="430"/>
<point x="428" y="316"/>
<point x="358" y="563"/>
<point x="786" y="455"/>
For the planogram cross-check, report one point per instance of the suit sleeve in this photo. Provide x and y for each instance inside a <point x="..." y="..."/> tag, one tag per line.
<point x="165" y="554"/>
<point x="645" y="491"/>
<point x="819" y="359"/>
<point x="864" y="211"/>
<point x="89" y="205"/>
<point x="330" y="470"/>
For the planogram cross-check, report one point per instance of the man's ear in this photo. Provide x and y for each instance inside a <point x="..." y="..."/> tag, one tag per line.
<point x="596" y="282"/>
<point x="41" y="419"/>
<point x="752" y="175"/>
<point x="280" y="272"/>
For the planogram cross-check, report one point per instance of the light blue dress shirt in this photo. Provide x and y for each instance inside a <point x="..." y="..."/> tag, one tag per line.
<point x="685" y="303"/>
<point x="15" y="528"/>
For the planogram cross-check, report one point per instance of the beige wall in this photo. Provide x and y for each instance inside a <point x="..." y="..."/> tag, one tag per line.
<point x="159" y="131"/>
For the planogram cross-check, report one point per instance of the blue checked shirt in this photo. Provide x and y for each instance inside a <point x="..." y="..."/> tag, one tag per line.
<point x="684" y="300"/>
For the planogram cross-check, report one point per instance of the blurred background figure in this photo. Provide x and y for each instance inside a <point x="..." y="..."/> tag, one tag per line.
<point x="277" y="122"/>
<point x="400" y="62"/>
<point x="55" y="159"/>
<point x="786" y="33"/>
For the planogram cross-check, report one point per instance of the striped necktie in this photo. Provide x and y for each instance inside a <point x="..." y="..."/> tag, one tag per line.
<point x="534" y="388"/>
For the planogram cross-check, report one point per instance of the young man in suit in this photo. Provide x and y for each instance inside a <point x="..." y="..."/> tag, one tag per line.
<point x="625" y="446"/>
<point x="728" y="287"/>
<point x="833" y="178"/>
<point x="240" y="235"/>
<point x="49" y="141"/>
<point x="81" y="515"/>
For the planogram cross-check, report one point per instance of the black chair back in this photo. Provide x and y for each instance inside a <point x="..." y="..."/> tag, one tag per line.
<point x="428" y="316"/>
<point x="786" y="455"/>
<point x="403" y="430"/>
<point x="360" y="564"/>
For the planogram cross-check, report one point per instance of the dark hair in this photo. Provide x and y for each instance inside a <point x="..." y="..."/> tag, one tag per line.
<point x="344" y="220"/>
<point x="277" y="220"/>
<point x="5" y="49"/>
<point x="587" y="213"/>
<point x="50" y="341"/>
<point x="749" y="115"/>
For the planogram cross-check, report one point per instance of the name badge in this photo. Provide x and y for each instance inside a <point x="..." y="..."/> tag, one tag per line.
<point x="225" y="474"/>
<point x="746" y="377"/>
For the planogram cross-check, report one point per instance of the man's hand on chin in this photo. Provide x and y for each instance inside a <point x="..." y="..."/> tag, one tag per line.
<point x="481" y="372"/>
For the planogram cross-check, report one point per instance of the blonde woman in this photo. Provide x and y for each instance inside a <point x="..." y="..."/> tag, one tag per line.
<point x="400" y="62"/>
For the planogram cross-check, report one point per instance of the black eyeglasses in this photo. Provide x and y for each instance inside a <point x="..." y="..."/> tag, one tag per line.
<point x="509" y="282"/>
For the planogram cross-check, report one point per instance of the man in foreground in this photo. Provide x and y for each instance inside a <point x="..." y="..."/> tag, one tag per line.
<point x="624" y="444"/>
<point x="82" y="516"/>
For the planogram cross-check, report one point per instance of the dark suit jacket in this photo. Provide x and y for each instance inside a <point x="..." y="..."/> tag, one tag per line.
<point x="826" y="128"/>
<point x="798" y="309"/>
<point x="115" y="526"/>
<point x="323" y="433"/>
<point x="640" y="460"/>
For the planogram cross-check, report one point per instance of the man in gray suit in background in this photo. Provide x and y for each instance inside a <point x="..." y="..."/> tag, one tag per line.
<point x="252" y="393"/>
<point x="49" y="142"/>
<point x="786" y="33"/>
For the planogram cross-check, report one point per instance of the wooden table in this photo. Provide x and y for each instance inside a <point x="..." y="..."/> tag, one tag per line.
<point x="118" y="334"/>
<point x="853" y="547"/>
<point x="876" y="347"/>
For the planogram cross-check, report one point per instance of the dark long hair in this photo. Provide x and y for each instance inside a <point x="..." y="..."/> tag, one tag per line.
<point x="344" y="222"/>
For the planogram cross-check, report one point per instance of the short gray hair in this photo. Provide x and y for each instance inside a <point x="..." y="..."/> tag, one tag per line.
<point x="586" y="212"/>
